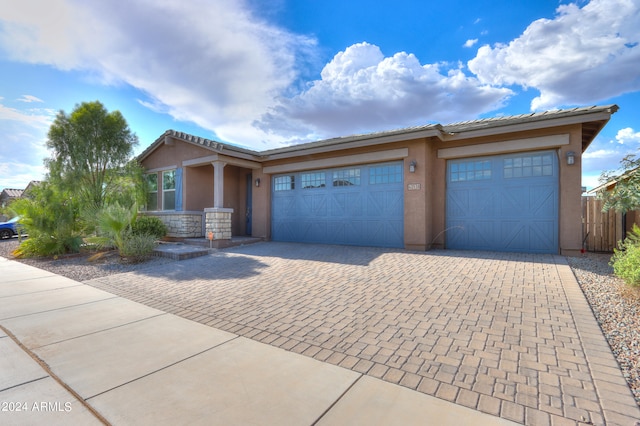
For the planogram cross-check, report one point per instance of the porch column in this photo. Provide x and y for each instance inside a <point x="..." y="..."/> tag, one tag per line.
<point x="218" y="218"/>
<point x="218" y="183"/>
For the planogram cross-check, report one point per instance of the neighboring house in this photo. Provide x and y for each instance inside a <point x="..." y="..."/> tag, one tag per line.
<point x="503" y="184"/>
<point x="604" y="230"/>
<point x="29" y="187"/>
<point x="8" y="195"/>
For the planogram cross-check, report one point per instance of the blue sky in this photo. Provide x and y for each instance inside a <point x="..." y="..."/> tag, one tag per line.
<point x="268" y="73"/>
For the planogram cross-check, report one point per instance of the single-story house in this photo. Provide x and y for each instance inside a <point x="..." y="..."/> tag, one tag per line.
<point x="604" y="230"/>
<point x="500" y="184"/>
<point x="8" y="195"/>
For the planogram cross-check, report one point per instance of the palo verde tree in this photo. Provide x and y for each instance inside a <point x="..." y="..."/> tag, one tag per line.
<point x="90" y="149"/>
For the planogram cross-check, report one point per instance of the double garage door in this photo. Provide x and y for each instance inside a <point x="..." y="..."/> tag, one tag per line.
<point x="503" y="203"/>
<point x="358" y="205"/>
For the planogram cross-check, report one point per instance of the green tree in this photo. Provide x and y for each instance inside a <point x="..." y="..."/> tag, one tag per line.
<point x="623" y="192"/>
<point x="91" y="149"/>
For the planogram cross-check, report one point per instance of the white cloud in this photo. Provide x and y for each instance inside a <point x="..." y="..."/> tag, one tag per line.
<point x="582" y="56"/>
<point x="39" y="118"/>
<point x="605" y="155"/>
<point x="361" y="90"/>
<point x="470" y="42"/>
<point x="23" y="145"/>
<point x="627" y="135"/>
<point x="29" y="99"/>
<point x="216" y="64"/>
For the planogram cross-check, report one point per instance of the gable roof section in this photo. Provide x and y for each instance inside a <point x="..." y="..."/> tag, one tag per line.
<point x="11" y="193"/>
<point x="610" y="184"/>
<point x="218" y="147"/>
<point x="592" y="118"/>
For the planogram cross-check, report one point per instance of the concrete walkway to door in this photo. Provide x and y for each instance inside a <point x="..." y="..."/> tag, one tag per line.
<point x="505" y="334"/>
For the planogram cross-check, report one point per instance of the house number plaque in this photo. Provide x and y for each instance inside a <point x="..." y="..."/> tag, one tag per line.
<point x="413" y="186"/>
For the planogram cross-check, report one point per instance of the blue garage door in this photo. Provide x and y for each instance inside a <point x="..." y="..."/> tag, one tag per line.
<point x="359" y="205"/>
<point x="503" y="203"/>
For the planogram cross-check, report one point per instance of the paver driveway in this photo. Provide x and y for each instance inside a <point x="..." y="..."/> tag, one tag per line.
<point x="507" y="334"/>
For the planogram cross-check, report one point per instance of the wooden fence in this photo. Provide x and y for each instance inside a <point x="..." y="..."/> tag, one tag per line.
<point x="600" y="231"/>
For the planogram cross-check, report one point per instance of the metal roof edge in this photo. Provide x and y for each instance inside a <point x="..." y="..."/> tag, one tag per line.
<point x="354" y="141"/>
<point x="454" y="131"/>
<point x="531" y="121"/>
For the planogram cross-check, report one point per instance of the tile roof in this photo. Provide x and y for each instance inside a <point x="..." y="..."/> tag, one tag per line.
<point x="443" y="132"/>
<point x="13" y="193"/>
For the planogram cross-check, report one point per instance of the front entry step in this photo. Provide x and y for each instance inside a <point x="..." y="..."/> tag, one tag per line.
<point x="188" y="248"/>
<point x="179" y="251"/>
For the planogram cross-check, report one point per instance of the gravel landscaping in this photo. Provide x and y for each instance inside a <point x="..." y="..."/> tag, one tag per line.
<point x="616" y="305"/>
<point x="617" y="309"/>
<point x="78" y="267"/>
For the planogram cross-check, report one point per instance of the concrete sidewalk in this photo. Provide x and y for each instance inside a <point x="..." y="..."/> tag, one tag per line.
<point x="73" y="354"/>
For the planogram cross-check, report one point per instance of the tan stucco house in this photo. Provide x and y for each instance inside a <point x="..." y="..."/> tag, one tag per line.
<point x="502" y="184"/>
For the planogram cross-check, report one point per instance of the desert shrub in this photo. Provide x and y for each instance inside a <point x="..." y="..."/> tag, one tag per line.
<point x="137" y="247"/>
<point x="48" y="245"/>
<point x="113" y="226"/>
<point x="626" y="258"/>
<point x="50" y="218"/>
<point x="149" y="225"/>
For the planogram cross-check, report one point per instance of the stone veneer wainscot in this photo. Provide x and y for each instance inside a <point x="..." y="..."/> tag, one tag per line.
<point x="218" y="221"/>
<point x="181" y="224"/>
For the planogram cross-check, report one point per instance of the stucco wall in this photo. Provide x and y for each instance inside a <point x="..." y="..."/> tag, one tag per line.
<point x="174" y="154"/>
<point x="416" y="190"/>
<point x="198" y="187"/>
<point x="570" y="207"/>
<point x="424" y="190"/>
<point x="261" y="197"/>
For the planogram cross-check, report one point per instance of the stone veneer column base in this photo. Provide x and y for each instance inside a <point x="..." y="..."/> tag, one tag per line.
<point x="218" y="221"/>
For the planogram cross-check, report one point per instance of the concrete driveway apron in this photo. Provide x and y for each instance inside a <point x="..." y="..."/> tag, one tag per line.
<point x="506" y="334"/>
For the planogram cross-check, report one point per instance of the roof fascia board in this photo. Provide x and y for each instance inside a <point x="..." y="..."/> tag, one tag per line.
<point x="370" y="141"/>
<point x="505" y="147"/>
<point x="161" y="169"/>
<point x="346" y="160"/>
<point x="201" y="161"/>
<point x="240" y="162"/>
<point x="535" y="125"/>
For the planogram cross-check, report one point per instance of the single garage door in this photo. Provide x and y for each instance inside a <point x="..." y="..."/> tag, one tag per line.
<point x="359" y="205"/>
<point x="503" y="203"/>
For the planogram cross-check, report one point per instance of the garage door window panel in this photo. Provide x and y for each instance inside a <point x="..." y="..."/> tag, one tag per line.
<point x="284" y="183"/>
<point x="470" y="171"/>
<point x="528" y="166"/>
<point x="313" y="180"/>
<point x="346" y="177"/>
<point x="391" y="173"/>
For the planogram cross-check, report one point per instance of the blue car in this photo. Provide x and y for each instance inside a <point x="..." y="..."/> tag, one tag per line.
<point x="10" y="228"/>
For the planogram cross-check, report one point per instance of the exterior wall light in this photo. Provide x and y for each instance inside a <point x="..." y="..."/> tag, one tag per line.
<point x="571" y="158"/>
<point x="258" y="182"/>
<point x="412" y="166"/>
